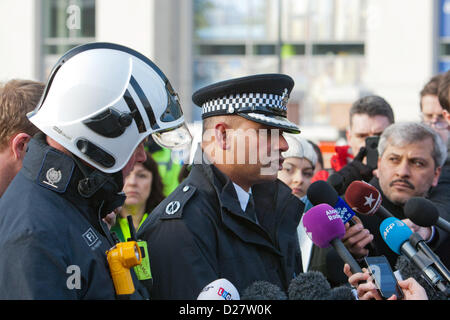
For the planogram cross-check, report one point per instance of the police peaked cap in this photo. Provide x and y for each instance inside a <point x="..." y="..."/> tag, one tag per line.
<point x="261" y="98"/>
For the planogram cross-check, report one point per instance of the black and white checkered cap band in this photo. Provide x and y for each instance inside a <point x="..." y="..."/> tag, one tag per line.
<point x="272" y="103"/>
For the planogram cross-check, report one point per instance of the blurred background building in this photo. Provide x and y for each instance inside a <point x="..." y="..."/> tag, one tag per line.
<point x="336" y="50"/>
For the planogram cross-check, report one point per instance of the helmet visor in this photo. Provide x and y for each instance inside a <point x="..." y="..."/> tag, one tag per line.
<point x="176" y="139"/>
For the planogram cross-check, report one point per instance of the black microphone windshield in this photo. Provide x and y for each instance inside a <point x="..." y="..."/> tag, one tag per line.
<point x="321" y="192"/>
<point x="263" y="290"/>
<point x="342" y="293"/>
<point x="336" y="181"/>
<point x="311" y="285"/>
<point x="421" y="211"/>
<point x="409" y="270"/>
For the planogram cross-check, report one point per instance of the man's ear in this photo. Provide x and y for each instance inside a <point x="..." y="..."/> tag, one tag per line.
<point x="19" y="145"/>
<point x="446" y="115"/>
<point x="221" y="135"/>
<point x="437" y="174"/>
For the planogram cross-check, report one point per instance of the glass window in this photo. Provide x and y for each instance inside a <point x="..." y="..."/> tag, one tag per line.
<point x="234" y="19"/>
<point x="320" y="45"/>
<point x="66" y="24"/>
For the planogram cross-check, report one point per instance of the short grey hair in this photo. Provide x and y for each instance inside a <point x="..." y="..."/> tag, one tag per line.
<point x="401" y="134"/>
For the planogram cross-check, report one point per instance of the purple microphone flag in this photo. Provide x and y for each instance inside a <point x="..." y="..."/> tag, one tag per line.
<point x="323" y="224"/>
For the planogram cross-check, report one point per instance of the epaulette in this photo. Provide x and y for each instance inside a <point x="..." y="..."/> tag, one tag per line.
<point x="174" y="208"/>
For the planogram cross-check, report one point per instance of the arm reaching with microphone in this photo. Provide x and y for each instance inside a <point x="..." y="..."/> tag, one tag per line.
<point x="367" y="290"/>
<point x="425" y="232"/>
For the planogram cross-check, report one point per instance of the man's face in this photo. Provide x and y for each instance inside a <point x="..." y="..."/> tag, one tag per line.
<point x="364" y="126"/>
<point x="257" y="150"/>
<point x="432" y="115"/>
<point x="407" y="171"/>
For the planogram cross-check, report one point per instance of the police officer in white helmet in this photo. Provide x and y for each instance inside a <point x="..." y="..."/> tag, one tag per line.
<point x="101" y="102"/>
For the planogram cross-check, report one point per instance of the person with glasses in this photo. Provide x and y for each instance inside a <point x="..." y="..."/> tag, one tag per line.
<point x="431" y="111"/>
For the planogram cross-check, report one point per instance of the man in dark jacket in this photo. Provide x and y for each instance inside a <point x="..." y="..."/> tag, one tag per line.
<point x="93" y="121"/>
<point x="230" y="218"/>
<point x="411" y="158"/>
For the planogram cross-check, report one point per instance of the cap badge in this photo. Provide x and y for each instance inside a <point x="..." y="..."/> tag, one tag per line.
<point x="284" y="97"/>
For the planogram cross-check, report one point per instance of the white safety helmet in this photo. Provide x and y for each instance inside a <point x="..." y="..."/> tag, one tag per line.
<point x="102" y="100"/>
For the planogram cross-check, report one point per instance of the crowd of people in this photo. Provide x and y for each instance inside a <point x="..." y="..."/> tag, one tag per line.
<point x="85" y="164"/>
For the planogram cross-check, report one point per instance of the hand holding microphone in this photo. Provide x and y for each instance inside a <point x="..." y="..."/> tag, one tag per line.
<point x="423" y="212"/>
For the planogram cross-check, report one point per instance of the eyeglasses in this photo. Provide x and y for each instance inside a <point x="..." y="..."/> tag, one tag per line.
<point x="436" y="121"/>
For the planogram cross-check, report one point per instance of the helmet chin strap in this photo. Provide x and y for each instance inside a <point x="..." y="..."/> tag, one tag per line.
<point x="101" y="187"/>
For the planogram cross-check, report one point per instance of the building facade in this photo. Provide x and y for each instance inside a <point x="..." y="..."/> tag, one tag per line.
<point x="336" y="50"/>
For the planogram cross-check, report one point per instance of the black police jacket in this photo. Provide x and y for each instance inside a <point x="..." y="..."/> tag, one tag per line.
<point x="51" y="242"/>
<point x="199" y="234"/>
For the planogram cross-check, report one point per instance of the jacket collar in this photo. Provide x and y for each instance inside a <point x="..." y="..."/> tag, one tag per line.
<point x="58" y="172"/>
<point x="231" y="214"/>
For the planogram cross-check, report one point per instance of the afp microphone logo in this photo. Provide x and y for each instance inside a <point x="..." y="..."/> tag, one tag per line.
<point x="390" y="226"/>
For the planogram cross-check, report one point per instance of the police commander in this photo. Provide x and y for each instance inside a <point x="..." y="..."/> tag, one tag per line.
<point x="230" y="218"/>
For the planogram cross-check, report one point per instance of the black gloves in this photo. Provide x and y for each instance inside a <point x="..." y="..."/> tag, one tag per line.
<point x="355" y="170"/>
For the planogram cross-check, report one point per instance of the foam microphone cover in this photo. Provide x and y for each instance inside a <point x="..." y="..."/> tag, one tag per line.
<point x="421" y="211"/>
<point x="394" y="232"/>
<point x="336" y="181"/>
<point x="409" y="270"/>
<point x="263" y="290"/>
<point x="321" y="192"/>
<point x="311" y="285"/>
<point x="342" y="293"/>
<point x="323" y="224"/>
<point x="220" y="289"/>
<point x="363" y="197"/>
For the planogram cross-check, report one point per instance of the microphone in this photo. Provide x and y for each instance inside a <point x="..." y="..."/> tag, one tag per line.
<point x="337" y="182"/>
<point x="311" y="285"/>
<point x="263" y="290"/>
<point x="424" y="213"/>
<point x="365" y="199"/>
<point x="409" y="270"/>
<point x="342" y="293"/>
<point x="324" y="227"/>
<point x="321" y="192"/>
<point x="396" y="234"/>
<point x="418" y="243"/>
<point x="220" y="289"/>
